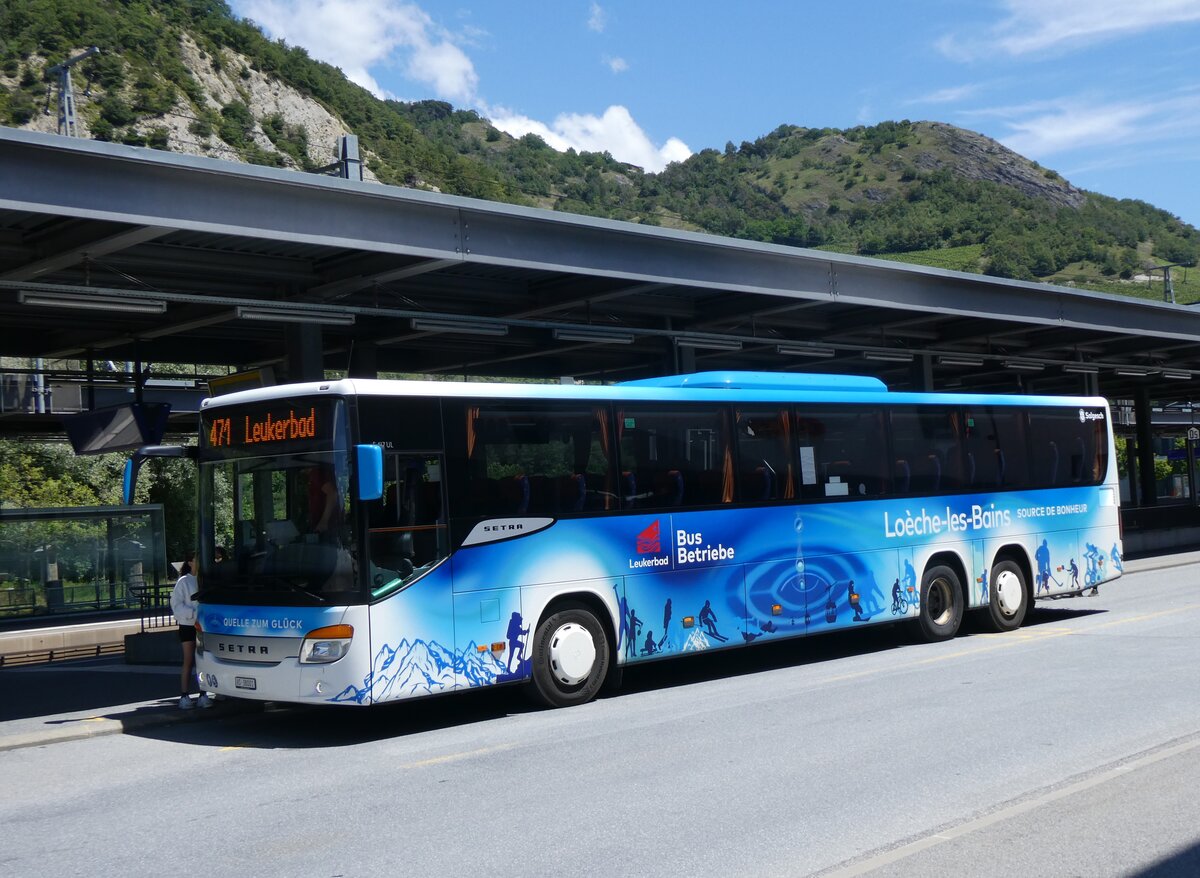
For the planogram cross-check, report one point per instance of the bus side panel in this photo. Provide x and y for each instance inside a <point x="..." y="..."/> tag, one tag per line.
<point x="412" y="642"/>
<point x="610" y="592"/>
<point x="847" y="590"/>
<point x="712" y="598"/>
<point x="776" y="599"/>
<point x="1054" y="555"/>
<point x="980" y="575"/>
<point x="492" y="637"/>
<point x="1101" y="551"/>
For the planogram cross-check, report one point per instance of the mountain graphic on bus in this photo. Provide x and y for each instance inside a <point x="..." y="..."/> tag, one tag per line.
<point x="422" y="668"/>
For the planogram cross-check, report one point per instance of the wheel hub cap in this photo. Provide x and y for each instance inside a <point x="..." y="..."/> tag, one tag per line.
<point x="1009" y="593"/>
<point x="572" y="654"/>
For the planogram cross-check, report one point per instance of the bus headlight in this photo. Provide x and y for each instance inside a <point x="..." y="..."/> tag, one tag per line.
<point x="328" y="644"/>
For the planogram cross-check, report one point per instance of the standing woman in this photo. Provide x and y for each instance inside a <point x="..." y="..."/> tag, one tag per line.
<point x="183" y="605"/>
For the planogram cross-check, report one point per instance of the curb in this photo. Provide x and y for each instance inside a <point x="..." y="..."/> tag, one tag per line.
<point x="99" y="726"/>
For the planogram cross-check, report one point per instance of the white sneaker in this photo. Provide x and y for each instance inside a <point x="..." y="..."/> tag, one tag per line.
<point x="185" y="703"/>
<point x="204" y="700"/>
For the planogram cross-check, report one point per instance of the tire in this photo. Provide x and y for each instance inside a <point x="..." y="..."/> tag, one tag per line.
<point x="570" y="657"/>
<point x="941" y="608"/>
<point x="1008" y="597"/>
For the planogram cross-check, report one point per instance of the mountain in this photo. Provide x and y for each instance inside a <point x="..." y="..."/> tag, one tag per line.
<point x="186" y="75"/>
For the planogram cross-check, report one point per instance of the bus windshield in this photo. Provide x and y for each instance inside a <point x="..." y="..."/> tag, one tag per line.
<point x="277" y="528"/>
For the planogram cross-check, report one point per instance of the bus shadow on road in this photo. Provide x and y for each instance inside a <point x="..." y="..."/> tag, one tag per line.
<point x="287" y="727"/>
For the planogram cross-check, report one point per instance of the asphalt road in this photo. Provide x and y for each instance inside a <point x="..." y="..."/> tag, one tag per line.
<point x="1070" y="747"/>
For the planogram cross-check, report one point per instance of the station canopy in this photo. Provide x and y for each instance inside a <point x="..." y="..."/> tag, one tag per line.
<point x="118" y="253"/>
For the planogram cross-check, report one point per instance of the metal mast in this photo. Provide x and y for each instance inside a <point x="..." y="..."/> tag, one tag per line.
<point x="66" y="96"/>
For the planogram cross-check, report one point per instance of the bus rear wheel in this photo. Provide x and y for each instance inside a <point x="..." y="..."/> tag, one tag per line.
<point x="570" y="657"/>
<point x="1008" y="601"/>
<point x="941" y="609"/>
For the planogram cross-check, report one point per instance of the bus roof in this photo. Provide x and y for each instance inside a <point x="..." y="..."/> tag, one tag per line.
<point x="764" y="387"/>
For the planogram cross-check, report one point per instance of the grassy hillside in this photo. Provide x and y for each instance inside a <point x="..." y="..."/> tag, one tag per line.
<point x="188" y="75"/>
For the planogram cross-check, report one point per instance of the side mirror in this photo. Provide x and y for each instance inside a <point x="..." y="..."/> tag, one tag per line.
<point x="370" y="471"/>
<point x="134" y="464"/>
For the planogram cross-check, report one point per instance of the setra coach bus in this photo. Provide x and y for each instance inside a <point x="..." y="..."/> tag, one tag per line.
<point x="365" y="541"/>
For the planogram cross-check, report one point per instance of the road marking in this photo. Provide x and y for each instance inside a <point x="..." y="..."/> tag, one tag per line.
<point x="455" y="757"/>
<point x="1016" y="809"/>
<point x="1147" y="616"/>
<point x="1006" y="640"/>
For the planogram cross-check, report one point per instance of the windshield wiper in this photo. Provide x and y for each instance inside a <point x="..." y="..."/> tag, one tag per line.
<point x="287" y="583"/>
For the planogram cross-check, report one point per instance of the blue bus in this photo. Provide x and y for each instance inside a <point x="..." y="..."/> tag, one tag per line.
<point x="366" y="541"/>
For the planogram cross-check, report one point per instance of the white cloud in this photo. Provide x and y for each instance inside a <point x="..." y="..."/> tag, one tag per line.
<point x="945" y="95"/>
<point x="357" y="35"/>
<point x="1042" y="25"/>
<point x="1081" y="124"/>
<point x="597" y="18"/>
<point x="615" y="133"/>
<point x="363" y="35"/>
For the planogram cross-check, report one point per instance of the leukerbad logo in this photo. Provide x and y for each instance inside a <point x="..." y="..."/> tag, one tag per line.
<point x="649" y="541"/>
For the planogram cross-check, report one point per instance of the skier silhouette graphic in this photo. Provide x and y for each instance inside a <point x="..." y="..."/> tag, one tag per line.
<point x="709" y="620"/>
<point x="983" y="586"/>
<point x="1074" y="573"/>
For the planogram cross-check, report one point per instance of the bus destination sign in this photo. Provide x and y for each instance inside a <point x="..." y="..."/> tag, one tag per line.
<point x="268" y="428"/>
<point x="273" y="426"/>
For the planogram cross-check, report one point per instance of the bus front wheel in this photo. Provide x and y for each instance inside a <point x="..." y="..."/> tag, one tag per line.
<point x="570" y="657"/>
<point x="941" y="604"/>
<point x="1009" y="598"/>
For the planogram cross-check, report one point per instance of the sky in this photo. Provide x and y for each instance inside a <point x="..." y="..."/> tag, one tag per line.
<point x="1106" y="92"/>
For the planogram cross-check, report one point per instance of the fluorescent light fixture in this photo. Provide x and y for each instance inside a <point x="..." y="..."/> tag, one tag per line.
<point x="1023" y="366"/>
<point x="1177" y="376"/>
<point x="799" y="350"/>
<point x="295" y="315"/>
<point x="433" y="324"/>
<point x="1133" y="371"/>
<point x="1081" y="368"/>
<point x="960" y="361"/>
<point x="92" y="302"/>
<point x="709" y="344"/>
<point x="593" y="335"/>
<point x="888" y="356"/>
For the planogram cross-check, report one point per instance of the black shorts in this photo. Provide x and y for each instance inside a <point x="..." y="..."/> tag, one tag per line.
<point x="187" y="633"/>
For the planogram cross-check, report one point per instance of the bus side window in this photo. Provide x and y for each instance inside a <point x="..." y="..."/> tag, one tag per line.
<point x="996" y="444"/>
<point x="406" y="527"/>
<point x="674" y="456"/>
<point x="524" y="459"/>
<point x="849" y="451"/>
<point x="1070" y="449"/>
<point x="764" y="456"/>
<point x="926" y="439"/>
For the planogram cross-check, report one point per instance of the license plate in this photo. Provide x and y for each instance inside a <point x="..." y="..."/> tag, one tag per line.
<point x="245" y="683"/>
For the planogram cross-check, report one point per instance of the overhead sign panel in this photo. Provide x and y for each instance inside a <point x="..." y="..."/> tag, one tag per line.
<point x="117" y="428"/>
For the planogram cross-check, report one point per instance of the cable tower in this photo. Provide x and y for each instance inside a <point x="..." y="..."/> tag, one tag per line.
<point x="66" y="96"/>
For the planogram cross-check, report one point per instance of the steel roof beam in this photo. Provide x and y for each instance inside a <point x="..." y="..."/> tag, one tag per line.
<point x="69" y="250"/>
